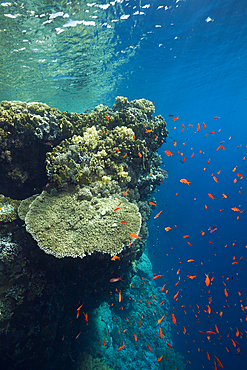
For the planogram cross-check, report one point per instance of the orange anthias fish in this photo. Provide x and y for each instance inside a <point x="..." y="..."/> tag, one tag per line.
<point x="134" y="236"/>
<point x="149" y="347"/>
<point x="115" y="258"/>
<point x="210" y="196"/>
<point x="152" y="203"/>
<point x="160" y="358"/>
<point x="207" y="280"/>
<point x="157" y="276"/>
<point x="122" y="347"/>
<point x="219" y="362"/>
<point x="168" y="153"/>
<point x="159" y="321"/>
<point x="169" y="345"/>
<point x="220" y="147"/>
<point x="184" y="181"/>
<point x="114" y="280"/>
<point x="160" y="333"/>
<point x="174" y="319"/>
<point x="235" y="209"/>
<point x="175" y="118"/>
<point x="126" y="192"/>
<point x="124" y="222"/>
<point x="158" y="214"/>
<point x="168" y="228"/>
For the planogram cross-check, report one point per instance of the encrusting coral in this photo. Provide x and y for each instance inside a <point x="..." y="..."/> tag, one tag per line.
<point x="8" y="208"/>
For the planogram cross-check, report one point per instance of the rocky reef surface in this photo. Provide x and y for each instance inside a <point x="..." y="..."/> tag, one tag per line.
<point x="74" y="205"/>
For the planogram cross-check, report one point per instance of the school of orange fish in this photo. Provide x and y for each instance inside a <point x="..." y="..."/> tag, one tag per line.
<point x="232" y="338"/>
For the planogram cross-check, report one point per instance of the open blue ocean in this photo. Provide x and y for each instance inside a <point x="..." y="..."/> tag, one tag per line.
<point x="188" y="57"/>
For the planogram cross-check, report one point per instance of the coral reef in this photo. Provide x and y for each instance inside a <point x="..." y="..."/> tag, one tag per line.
<point x="119" y="143"/>
<point x="85" y="181"/>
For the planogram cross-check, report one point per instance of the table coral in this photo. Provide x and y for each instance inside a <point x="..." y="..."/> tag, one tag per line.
<point x="68" y="224"/>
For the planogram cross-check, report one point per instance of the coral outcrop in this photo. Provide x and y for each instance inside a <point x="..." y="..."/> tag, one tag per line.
<point x="85" y="182"/>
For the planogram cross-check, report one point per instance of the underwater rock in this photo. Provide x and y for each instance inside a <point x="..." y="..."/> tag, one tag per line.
<point x="144" y="266"/>
<point x="65" y="225"/>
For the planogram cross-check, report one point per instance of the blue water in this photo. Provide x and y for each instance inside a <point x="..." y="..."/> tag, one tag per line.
<point x="189" y="58"/>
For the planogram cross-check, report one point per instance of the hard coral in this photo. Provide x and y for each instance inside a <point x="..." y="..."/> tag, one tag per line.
<point x="68" y="224"/>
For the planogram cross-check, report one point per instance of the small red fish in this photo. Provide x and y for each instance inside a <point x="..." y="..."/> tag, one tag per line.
<point x="168" y="153"/>
<point x="114" y="280"/>
<point x="115" y="258"/>
<point x="169" y="345"/>
<point x="106" y="117"/>
<point x="158" y="214"/>
<point x="134" y="236"/>
<point x="159" y="321"/>
<point x="157" y="276"/>
<point x="174" y="319"/>
<point x="175" y="118"/>
<point x="123" y="222"/>
<point x="184" y="181"/>
<point x="122" y="347"/>
<point x="149" y="347"/>
<point x="207" y="281"/>
<point x="216" y="117"/>
<point x="126" y="192"/>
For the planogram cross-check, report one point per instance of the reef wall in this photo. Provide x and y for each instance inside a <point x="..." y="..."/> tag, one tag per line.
<point x="76" y="192"/>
